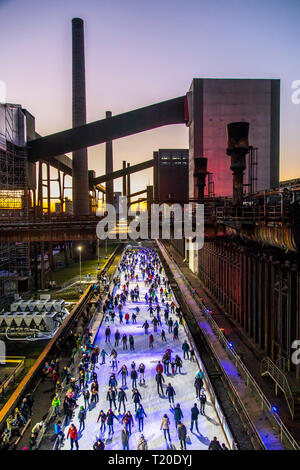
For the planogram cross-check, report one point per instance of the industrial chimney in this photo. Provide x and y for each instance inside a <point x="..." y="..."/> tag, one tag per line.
<point x="80" y="180"/>
<point x="237" y="148"/>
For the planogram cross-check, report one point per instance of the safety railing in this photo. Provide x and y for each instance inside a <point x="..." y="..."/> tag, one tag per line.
<point x="11" y="379"/>
<point x="267" y="367"/>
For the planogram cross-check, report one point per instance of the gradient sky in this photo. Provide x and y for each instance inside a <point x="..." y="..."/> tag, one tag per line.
<point x="140" y="52"/>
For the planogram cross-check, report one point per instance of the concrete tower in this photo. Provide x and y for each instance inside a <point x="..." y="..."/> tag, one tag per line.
<point x="109" y="167"/>
<point x="80" y="181"/>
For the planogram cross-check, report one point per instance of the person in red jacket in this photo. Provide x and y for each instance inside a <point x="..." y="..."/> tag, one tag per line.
<point x="159" y="368"/>
<point x="72" y="433"/>
<point x="151" y="341"/>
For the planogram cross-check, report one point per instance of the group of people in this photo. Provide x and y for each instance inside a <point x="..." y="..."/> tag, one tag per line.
<point x="81" y="394"/>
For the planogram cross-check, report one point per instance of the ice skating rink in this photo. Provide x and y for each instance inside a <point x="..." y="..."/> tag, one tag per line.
<point x="154" y="405"/>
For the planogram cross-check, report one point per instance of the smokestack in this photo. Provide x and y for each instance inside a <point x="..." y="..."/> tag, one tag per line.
<point x="124" y="180"/>
<point x="237" y="148"/>
<point x="80" y="180"/>
<point x="109" y="167"/>
<point x="128" y="186"/>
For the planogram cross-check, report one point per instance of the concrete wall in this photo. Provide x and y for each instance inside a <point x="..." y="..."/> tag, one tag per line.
<point x="217" y="102"/>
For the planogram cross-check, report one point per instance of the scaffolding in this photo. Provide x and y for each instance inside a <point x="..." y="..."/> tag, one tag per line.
<point x="14" y="197"/>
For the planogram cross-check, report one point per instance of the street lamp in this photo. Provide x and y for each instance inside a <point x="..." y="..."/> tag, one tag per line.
<point x="80" y="248"/>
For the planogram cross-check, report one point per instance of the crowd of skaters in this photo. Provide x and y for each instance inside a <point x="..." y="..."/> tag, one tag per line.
<point x="138" y="264"/>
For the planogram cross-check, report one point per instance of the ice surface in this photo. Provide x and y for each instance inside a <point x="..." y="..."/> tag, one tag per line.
<point x="155" y="406"/>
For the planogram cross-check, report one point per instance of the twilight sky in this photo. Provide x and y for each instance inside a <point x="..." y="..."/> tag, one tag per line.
<point x="140" y="52"/>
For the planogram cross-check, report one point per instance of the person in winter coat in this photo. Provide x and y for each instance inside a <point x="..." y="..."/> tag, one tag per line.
<point x="111" y="397"/>
<point x="146" y="327"/>
<point x="134" y="377"/>
<point x="159" y="368"/>
<point x="124" y="341"/>
<point x="86" y="397"/>
<point x="56" y="404"/>
<point x="194" y="417"/>
<point x="121" y="399"/>
<point x="170" y="393"/>
<point x="141" y="370"/>
<point x="214" y="444"/>
<point x="113" y="383"/>
<point x="110" y="421"/>
<point x="178" y="364"/>
<point x="72" y="434"/>
<point x="175" y="332"/>
<point x="124" y="372"/>
<point x="103" y="354"/>
<point x="177" y="414"/>
<point x="117" y="338"/>
<point x="202" y="403"/>
<point x="136" y="396"/>
<point x="185" y="349"/>
<point x="159" y="381"/>
<point x="140" y="416"/>
<point x="102" y="416"/>
<point x="127" y="420"/>
<point x="142" y="444"/>
<point x="107" y="334"/>
<point x="81" y="417"/>
<point x="198" y="386"/>
<point x="125" y="438"/>
<point x="99" y="445"/>
<point x="165" y="426"/>
<point x="181" y="430"/>
<point x="131" y="343"/>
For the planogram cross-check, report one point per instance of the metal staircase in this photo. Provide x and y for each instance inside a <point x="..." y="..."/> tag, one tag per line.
<point x="267" y="367"/>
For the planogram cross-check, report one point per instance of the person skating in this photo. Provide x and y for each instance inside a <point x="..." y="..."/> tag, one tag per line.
<point x="124" y="373"/>
<point x="224" y="447"/>
<point x="214" y="444"/>
<point x="124" y="341"/>
<point x="133" y="376"/>
<point x="146" y="327"/>
<point x="125" y="438"/>
<point x="159" y="368"/>
<point x="72" y="434"/>
<point x="131" y="343"/>
<point x="177" y="414"/>
<point x="165" y="426"/>
<point x="103" y="417"/>
<point x="181" y="430"/>
<point x="170" y="393"/>
<point x="140" y="417"/>
<point x="128" y="422"/>
<point x="121" y="399"/>
<point x="163" y="336"/>
<point x="159" y="381"/>
<point x="107" y="334"/>
<point x="103" y="354"/>
<point x="151" y="341"/>
<point x="198" y="386"/>
<point x="194" y="417"/>
<point x="178" y="364"/>
<point x="113" y="383"/>
<point x="99" y="445"/>
<point x="117" y="338"/>
<point x="110" y="421"/>
<point x="111" y="397"/>
<point x="136" y="396"/>
<point x="81" y="417"/>
<point x="141" y="370"/>
<point x="142" y="444"/>
<point x="185" y="349"/>
<point x="202" y="403"/>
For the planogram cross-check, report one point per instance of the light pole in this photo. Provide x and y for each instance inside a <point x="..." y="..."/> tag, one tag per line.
<point x="79" y="248"/>
<point x="98" y="253"/>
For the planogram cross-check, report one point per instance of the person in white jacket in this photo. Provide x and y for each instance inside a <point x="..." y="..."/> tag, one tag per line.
<point x="142" y="444"/>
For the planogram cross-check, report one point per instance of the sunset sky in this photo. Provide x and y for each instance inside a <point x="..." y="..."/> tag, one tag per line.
<point x="140" y="52"/>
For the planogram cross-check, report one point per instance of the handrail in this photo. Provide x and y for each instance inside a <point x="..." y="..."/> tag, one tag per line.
<point x="280" y="379"/>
